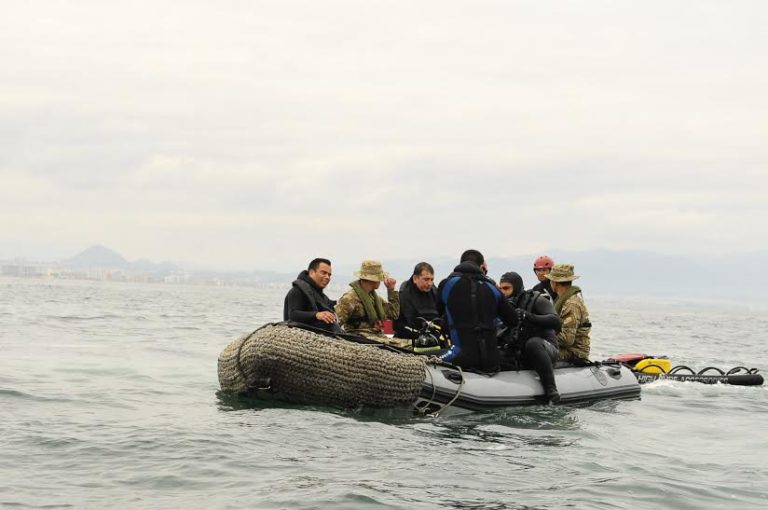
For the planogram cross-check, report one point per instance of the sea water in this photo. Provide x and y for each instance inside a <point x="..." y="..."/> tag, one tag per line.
<point x="108" y="397"/>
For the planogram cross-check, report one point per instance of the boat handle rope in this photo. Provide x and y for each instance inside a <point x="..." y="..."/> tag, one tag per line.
<point x="737" y="370"/>
<point x="248" y="385"/>
<point x="421" y="409"/>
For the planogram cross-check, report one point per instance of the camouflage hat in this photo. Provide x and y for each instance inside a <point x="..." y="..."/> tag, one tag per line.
<point x="371" y="270"/>
<point x="562" y="273"/>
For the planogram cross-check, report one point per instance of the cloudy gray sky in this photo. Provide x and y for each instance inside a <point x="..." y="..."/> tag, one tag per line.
<point x="242" y="134"/>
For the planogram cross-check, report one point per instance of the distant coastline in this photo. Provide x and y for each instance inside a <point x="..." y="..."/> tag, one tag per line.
<point x="99" y="263"/>
<point x="604" y="272"/>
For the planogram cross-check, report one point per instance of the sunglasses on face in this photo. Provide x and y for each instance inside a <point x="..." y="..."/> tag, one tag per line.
<point x="541" y="270"/>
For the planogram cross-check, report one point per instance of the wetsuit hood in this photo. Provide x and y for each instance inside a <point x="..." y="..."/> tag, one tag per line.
<point x="517" y="283"/>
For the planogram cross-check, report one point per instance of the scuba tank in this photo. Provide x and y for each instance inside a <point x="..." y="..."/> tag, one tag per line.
<point x="426" y="343"/>
<point x="429" y="338"/>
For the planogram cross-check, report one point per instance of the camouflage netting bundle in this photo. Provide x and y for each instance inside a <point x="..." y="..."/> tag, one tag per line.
<point x="306" y="367"/>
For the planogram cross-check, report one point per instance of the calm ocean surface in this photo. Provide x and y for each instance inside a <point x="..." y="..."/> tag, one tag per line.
<point x="108" y="395"/>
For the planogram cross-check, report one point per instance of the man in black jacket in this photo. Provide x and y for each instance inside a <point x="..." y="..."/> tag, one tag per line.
<point x="307" y="303"/>
<point x="541" y="268"/>
<point x="418" y="298"/>
<point x="470" y="304"/>
<point x="534" y="341"/>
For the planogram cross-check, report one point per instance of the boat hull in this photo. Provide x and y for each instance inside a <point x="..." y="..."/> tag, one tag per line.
<point x="476" y="392"/>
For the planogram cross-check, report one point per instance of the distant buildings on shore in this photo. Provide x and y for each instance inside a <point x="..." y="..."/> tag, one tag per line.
<point x="26" y="269"/>
<point x="21" y="268"/>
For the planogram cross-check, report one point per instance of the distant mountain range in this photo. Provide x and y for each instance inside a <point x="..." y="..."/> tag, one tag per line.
<point x="603" y="271"/>
<point x="102" y="257"/>
<point x="98" y="256"/>
<point x="105" y="258"/>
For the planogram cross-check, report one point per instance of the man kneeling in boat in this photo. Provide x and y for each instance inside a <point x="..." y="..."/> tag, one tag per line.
<point x="307" y="303"/>
<point x="534" y="341"/>
<point x="573" y="338"/>
<point x="361" y="310"/>
<point x="470" y="304"/>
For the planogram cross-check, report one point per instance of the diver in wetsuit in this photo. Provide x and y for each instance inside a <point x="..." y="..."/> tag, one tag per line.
<point x="470" y="303"/>
<point x="534" y="341"/>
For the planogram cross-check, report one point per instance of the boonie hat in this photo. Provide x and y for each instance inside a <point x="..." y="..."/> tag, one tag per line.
<point x="372" y="271"/>
<point x="562" y="273"/>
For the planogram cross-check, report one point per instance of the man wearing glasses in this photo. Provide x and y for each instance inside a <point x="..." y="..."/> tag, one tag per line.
<point x="541" y="268"/>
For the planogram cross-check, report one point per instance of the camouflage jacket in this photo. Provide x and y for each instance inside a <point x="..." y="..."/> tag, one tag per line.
<point x="351" y="312"/>
<point x="573" y="338"/>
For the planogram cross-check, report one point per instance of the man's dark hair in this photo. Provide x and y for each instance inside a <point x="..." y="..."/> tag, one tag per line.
<point x="472" y="256"/>
<point x="316" y="262"/>
<point x="423" y="266"/>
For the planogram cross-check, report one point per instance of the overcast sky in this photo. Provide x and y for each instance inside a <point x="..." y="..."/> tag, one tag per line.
<point x="243" y="134"/>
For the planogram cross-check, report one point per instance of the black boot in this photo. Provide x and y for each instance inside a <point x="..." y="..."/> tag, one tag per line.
<point x="551" y="394"/>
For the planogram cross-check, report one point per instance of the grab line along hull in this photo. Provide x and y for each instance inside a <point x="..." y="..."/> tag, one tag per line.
<point x="519" y="388"/>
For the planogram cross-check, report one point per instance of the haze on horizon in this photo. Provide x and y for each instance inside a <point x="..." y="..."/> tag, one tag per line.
<point x="251" y="134"/>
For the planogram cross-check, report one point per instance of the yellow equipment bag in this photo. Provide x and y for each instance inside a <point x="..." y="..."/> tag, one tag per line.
<point x="653" y="366"/>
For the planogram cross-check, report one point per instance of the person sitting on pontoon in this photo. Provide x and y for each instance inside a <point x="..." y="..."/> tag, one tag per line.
<point x="418" y="300"/>
<point x="573" y="338"/>
<point x="361" y="310"/>
<point x="307" y="303"/>
<point x="533" y="343"/>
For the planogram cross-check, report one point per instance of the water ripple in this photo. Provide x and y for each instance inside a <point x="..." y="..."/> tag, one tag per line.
<point x="111" y="392"/>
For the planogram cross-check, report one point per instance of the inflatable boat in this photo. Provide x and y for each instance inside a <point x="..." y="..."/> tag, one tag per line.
<point x="450" y="387"/>
<point x="290" y="363"/>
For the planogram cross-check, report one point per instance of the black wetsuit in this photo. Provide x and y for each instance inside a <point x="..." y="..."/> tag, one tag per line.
<point x="534" y="342"/>
<point x="545" y="288"/>
<point x="413" y="304"/>
<point x="470" y="304"/>
<point x="304" y="300"/>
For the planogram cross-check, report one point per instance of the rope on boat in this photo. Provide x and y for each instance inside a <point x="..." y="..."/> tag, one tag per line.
<point x="422" y="409"/>
<point x="738" y="370"/>
<point x="297" y="365"/>
<point x="455" y="397"/>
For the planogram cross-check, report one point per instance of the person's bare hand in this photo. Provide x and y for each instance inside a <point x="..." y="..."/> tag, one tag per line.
<point x="390" y="283"/>
<point x="327" y="317"/>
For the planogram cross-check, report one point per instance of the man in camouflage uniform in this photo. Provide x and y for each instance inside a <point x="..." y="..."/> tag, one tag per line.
<point x="361" y="310"/>
<point x="573" y="338"/>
